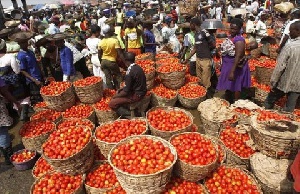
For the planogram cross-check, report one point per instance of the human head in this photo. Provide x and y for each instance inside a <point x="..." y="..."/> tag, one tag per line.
<point x="195" y="23"/>
<point x="130" y="23"/>
<point x="252" y="45"/>
<point x="295" y="30"/>
<point x="23" y="44"/>
<point x="95" y="30"/>
<point x="2" y="46"/>
<point x="235" y="26"/>
<point x="263" y="17"/>
<point x="295" y="14"/>
<point x="148" y="26"/>
<point x="55" y="20"/>
<point x="129" y="58"/>
<point x="107" y="30"/>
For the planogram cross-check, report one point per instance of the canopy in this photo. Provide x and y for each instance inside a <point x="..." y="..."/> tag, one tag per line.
<point x="67" y="2"/>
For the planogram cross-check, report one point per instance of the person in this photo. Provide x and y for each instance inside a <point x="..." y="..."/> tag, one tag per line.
<point x="101" y="22"/>
<point x="204" y="44"/>
<point x="212" y="11"/>
<point x="261" y="27"/>
<point x="295" y="171"/>
<point x="285" y="38"/>
<point x="285" y="77"/>
<point x="133" y="38"/>
<point x="250" y="27"/>
<point x="149" y="41"/>
<point x="174" y="14"/>
<point x="254" y="7"/>
<point x="120" y="17"/>
<point x="83" y="25"/>
<point x="53" y="26"/>
<point x="219" y="12"/>
<point x="64" y="26"/>
<point x="23" y="26"/>
<point x="135" y="86"/>
<point x="169" y="34"/>
<point x="108" y="51"/>
<point x="6" y="121"/>
<point x="92" y="44"/>
<point x="65" y="57"/>
<point x="235" y="72"/>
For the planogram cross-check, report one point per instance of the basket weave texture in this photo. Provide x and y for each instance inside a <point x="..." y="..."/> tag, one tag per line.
<point x="90" y="94"/>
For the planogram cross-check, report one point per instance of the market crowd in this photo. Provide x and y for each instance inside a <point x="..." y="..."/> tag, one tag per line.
<point x="71" y="43"/>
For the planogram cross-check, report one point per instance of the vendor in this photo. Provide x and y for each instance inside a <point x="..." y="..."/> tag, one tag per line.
<point x="261" y="28"/>
<point x="135" y="86"/>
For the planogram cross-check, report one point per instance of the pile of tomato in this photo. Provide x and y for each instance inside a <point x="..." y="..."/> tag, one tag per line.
<point x="171" y="67"/>
<point x="183" y="186"/>
<point x="269" y="63"/>
<point x="78" y="111"/>
<point x="168" y="120"/>
<point x="76" y="122"/>
<point x="103" y="104"/>
<point x="50" y="115"/>
<point x="55" y="88"/>
<point x="243" y="111"/>
<point x="36" y="128"/>
<point x="87" y="81"/>
<point x="191" y="79"/>
<point x="266" y="115"/>
<point x="117" y="190"/>
<point x="120" y="129"/>
<point x="108" y="93"/>
<point x="236" y="142"/>
<point x="194" y="149"/>
<point x="65" y="142"/>
<point x="142" y="156"/>
<point x="167" y="61"/>
<point x="22" y="156"/>
<point x="142" y="56"/>
<point x="41" y="167"/>
<point x="40" y="105"/>
<point x="192" y="91"/>
<point x="263" y="87"/>
<point x="146" y="63"/>
<point x="164" y="92"/>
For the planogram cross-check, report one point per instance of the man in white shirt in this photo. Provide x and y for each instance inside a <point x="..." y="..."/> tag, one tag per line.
<point x="212" y="12"/>
<point x="64" y="26"/>
<point x="101" y="22"/>
<point x="254" y="6"/>
<point x="261" y="28"/>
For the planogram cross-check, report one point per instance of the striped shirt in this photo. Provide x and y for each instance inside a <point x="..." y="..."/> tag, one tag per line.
<point x="287" y="70"/>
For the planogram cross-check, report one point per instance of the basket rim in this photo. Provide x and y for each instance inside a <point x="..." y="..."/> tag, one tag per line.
<point x="183" y="70"/>
<point x="38" y="120"/>
<point x="63" y="113"/>
<point x="35" y="154"/>
<point x="66" y="119"/>
<point x="166" y="108"/>
<point x="110" y="122"/>
<point x="138" y="137"/>
<point x="65" y="159"/>
<point x="156" y="95"/>
<point x="206" y="137"/>
<point x="32" y="119"/>
<point x="32" y="172"/>
<point x="74" y="83"/>
<point x="57" y="95"/>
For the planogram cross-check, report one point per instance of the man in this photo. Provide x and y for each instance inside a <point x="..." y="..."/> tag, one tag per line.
<point x="120" y="17"/>
<point x="149" y="41"/>
<point x="204" y="44"/>
<point x="286" y="75"/>
<point x="108" y="51"/>
<point x="133" y="38"/>
<point x="53" y="27"/>
<point x="135" y="86"/>
<point x="101" y="21"/>
<point x="261" y="27"/>
<point x="212" y="11"/>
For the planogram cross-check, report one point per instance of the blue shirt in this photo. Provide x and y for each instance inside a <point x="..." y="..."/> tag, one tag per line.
<point x="150" y="38"/>
<point x="66" y="61"/>
<point x="29" y="64"/>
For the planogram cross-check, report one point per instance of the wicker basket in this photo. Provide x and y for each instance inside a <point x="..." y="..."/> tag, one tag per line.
<point x="173" y="80"/>
<point x="219" y="143"/>
<point x="260" y="95"/>
<point x="62" y="101"/>
<point x="150" y="84"/>
<point x="168" y="134"/>
<point x="212" y="127"/>
<point x="90" y="94"/>
<point x="78" y="163"/>
<point x="273" y="53"/>
<point x="160" y="101"/>
<point x="35" y="177"/>
<point x="86" y="120"/>
<point x="35" y="143"/>
<point x="263" y="75"/>
<point x="272" y="144"/>
<point x="190" y="103"/>
<point x="91" y="117"/>
<point x="150" y="76"/>
<point x="148" y="183"/>
<point x="191" y="172"/>
<point x="148" y="56"/>
<point x="105" y="115"/>
<point x="105" y="147"/>
<point x="38" y="109"/>
<point x="256" y="53"/>
<point x="80" y="190"/>
<point x="55" y="121"/>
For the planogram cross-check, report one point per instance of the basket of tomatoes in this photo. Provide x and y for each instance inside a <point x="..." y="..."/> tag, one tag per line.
<point x="190" y="95"/>
<point x="103" y="112"/>
<point x="163" y="96"/>
<point x="172" y="75"/>
<point x="80" y="111"/>
<point x="50" y="115"/>
<point x="236" y="143"/>
<point x="100" y="179"/>
<point x="165" y="61"/>
<point x="221" y="149"/>
<point x="23" y="159"/>
<point x="145" y="56"/>
<point x="167" y="121"/>
<point x="57" y="182"/>
<point x="256" y="53"/>
<point x="149" y="71"/>
<point x="147" y="173"/>
<point x="40" y="106"/>
<point x="110" y="133"/>
<point x="89" y="90"/>
<point x="197" y="155"/>
<point x="275" y="134"/>
<point x="70" y="150"/>
<point x="264" y="70"/>
<point x="40" y="168"/>
<point x="243" y="115"/>
<point x="177" y="185"/>
<point x="75" y="122"/>
<point x="35" y="133"/>
<point x="58" y="95"/>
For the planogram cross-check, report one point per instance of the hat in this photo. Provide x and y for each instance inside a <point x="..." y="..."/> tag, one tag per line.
<point x="57" y="36"/>
<point x="21" y="36"/>
<point x="12" y="23"/>
<point x="105" y="29"/>
<point x="2" y="44"/>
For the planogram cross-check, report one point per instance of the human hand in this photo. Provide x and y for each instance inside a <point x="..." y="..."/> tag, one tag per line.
<point x="37" y="82"/>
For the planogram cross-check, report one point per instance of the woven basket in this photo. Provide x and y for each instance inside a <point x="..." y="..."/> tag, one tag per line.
<point x="94" y="190"/>
<point x="144" y="184"/>
<point x="160" y="101"/>
<point x="219" y="143"/>
<point x="149" y="56"/>
<point x="80" y="190"/>
<point x="35" y="143"/>
<point x="256" y="53"/>
<point x="167" y="134"/>
<point x="105" y="116"/>
<point x="105" y="147"/>
<point x="78" y="163"/>
<point x="87" y="120"/>
<point x="191" y="172"/>
<point x="150" y="76"/>
<point x="173" y="80"/>
<point x="260" y="95"/>
<point x="272" y="144"/>
<point x="35" y="177"/>
<point x="55" y="121"/>
<point x="150" y="84"/>
<point x="212" y="127"/>
<point x="62" y="101"/>
<point x="273" y="53"/>
<point x="263" y="75"/>
<point x="38" y="109"/>
<point x="90" y="94"/>
<point x="190" y="103"/>
<point x="91" y="117"/>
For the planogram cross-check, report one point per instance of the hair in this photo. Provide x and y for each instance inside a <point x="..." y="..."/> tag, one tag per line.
<point x="238" y="22"/>
<point x="130" y="57"/>
<point x="296" y="14"/>
<point x="196" y="21"/>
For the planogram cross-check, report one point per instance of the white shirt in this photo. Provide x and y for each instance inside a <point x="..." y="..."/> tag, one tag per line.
<point x="250" y="27"/>
<point x="254" y="6"/>
<point x="218" y="13"/>
<point x="261" y="29"/>
<point x="92" y="44"/>
<point x="53" y="29"/>
<point x="10" y="60"/>
<point x="287" y="31"/>
<point x="101" y="23"/>
<point x="63" y="28"/>
<point x="212" y="12"/>
<point x="229" y="8"/>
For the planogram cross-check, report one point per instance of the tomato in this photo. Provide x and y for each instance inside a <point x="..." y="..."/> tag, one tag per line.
<point x="87" y="81"/>
<point x="182" y="186"/>
<point x="22" y="156"/>
<point x="41" y="167"/>
<point x="36" y="127"/>
<point x="80" y="111"/>
<point x="50" y="115"/>
<point x="55" y="88"/>
<point x="192" y="91"/>
<point x="164" y="92"/>
<point x="171" y="67"/>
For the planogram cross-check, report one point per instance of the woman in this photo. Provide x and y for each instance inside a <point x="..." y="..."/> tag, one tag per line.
<point x="169" y="34"/>
<point x="261" y="27"/>
<point x="235" y="72"/>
